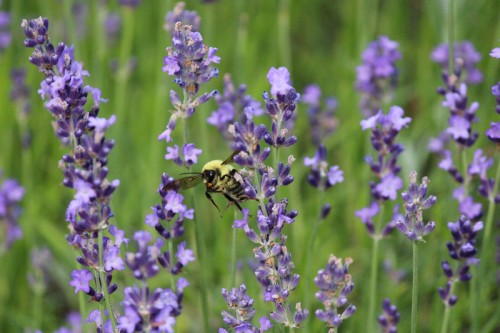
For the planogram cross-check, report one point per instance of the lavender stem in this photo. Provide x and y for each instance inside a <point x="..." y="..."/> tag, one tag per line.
<point x="414" y="292"/>
<point x="102" y="282"/>
<point x="374" y="270"/>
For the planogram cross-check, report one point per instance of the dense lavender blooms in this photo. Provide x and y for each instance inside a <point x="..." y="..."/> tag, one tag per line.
<point x="11" y="193"/>
<point x="168" y="217"/>
<point x="463" y="250"/>
<point x="85" y="166"/>
<point x="186" y="17"/>
<point x="335" y="285"/>
<point x="389" y="319"/>
<point x="320" y="175"/>
<point x="232" y="105"/>
<point x="275" y="268"/>
<point x="322" y="121"/>
<point x="189" y="151"/>
<point x="190" y="61"/>
<point x="153" y="311"/>
<point x="377" y="76"/>
<point x="5" y="36"/>
<point x="415" y="201"/>
<point x="241" y="304"/>
<point x="465" y="57"/>
<point x="384" y="129"/>
<point x="280" y="108"/>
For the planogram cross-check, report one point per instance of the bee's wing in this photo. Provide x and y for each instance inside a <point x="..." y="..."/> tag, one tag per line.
<point x="184" y="182"/>
<point x="230" y="158"/>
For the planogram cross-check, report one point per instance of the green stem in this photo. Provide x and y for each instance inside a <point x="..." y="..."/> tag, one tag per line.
<point x="70" y="24"/>
<point x="284" y="33"/>
<point x="373" y="281"/>
<point x="414" y="293"/>
<point x="102" y="280"/>
<point x="374" y="270"/>
<point x="477" y="292"/>
<point x="451" y="37"/>
<point x="198" y="228"/>
<point x="491" y="213"/>
<point x="123" y="71"/>
<point x="463" y="154"/>
<point x="310" y="251"/>
<point x="233" y="254"/>
<point x="171" y="253"/>
<point x="447" y="311"/>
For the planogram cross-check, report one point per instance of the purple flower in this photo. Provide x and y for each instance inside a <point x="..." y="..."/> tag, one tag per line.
<point x="466" y="58"/>
<point x="322" y="120"/>
<point x="144" y="309"/>
<point x="11" y="193"/>
<point x="366" y="215"/>
<point x="389" y="186"/>
<point x="184" y="255"/>
<point x="389" y="319"/>
<point x="320" y="175"/>
<point x="191" y="62"/>
<point x="180" y="14"/>
<point x="463" y="250"/>
<point x="281" y="109"/>
<point x="415" y="201"/>
<point x="190" y="153"/>
<point x="279" y="78"/>
<point x="232" y="104"/>
<point x="493" y="133"/>
<point x="384" y="129"/>
<point x="334" y="284"/>
<point x="85" y="169"/>
<point x="495" y="53"/>
<point x="80" y="280"/>
<point x="377" y="77"/>
<point x="193" y="59"/>
<point x="5" y="37"/>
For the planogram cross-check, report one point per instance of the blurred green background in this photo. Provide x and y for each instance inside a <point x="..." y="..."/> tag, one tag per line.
<point x="320" y="41"/>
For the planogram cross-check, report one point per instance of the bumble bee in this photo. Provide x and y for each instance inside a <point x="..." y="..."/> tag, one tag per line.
<point x="219" y="177"/>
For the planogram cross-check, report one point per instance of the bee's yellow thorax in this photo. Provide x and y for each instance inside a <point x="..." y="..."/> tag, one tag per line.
<point x="224" y="169"/>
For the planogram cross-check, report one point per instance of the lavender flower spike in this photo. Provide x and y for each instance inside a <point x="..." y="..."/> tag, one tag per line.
<point x="463" y="250"/>
<point x="377" y="76"/>
<point x="334" y="283"/>
<point x="415" y="201"/>
<point x="191" y="62"/>
<point x="242" y="305"/>
<point x="180" y="14"/>
<point x="389" y="319"/>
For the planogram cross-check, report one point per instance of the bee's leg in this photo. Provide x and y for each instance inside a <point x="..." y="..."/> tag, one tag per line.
<point x="209" y="197"/>
<point x="231" y="200"/>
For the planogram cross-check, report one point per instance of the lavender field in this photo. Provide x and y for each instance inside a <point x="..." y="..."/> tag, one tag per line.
<point x="249" y="166"/>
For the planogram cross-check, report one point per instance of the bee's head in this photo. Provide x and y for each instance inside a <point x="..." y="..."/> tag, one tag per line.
<point x="208" y="176"/>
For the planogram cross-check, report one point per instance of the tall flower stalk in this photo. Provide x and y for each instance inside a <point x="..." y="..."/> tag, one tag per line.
<point x="384" y="130"/>
<point x="84" y="167"/>
<point x="414" y="228"/>
<point x="275" y="267"/>
<point x="461" y="136"/>
<point x="191" y="63"/>
<point x="335" y="284"/>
